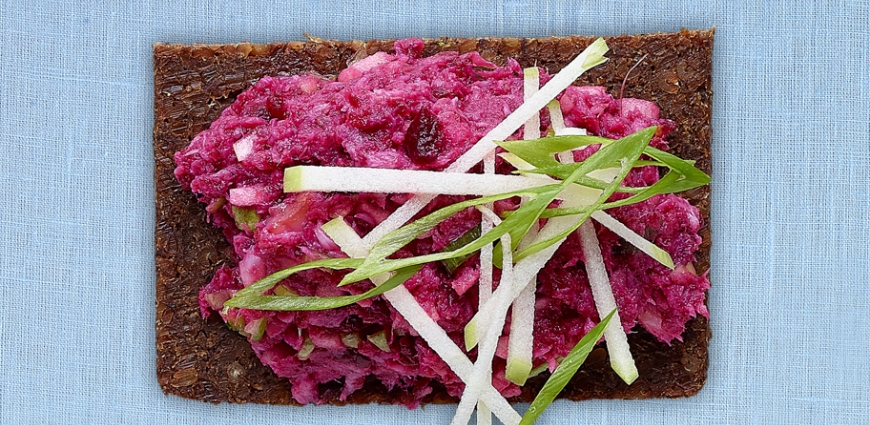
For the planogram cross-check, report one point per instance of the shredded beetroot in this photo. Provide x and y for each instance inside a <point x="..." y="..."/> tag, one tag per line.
<point x="403" y="111"/>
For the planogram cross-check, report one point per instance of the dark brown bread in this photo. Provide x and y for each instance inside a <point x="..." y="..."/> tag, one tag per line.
<point x="202" y="359"/>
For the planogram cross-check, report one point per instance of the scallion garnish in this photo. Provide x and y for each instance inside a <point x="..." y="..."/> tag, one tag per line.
<point x="405" y="303"/>
<point x="627" y="150"/>
<point x="566" y="370"/>
<point x="313" y="303"/>
<point x="453" y="263"/>
<point x="590" y="57"/>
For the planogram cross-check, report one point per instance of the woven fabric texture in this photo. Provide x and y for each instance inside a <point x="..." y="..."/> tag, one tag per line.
<point x="790" y="302"/>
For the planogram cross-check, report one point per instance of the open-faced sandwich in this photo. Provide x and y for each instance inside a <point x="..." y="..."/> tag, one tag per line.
<point x="452" y="220"/>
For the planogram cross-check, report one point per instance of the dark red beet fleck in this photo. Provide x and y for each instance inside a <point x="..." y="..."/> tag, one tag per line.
<point x="424" y="139"/>
<point x="275" y="107"/>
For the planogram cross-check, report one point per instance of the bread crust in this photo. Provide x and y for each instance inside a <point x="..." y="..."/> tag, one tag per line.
<point x="202" y="359"/>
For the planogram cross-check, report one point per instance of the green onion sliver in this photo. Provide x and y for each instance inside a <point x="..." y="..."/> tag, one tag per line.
<point x="566" y="370"/>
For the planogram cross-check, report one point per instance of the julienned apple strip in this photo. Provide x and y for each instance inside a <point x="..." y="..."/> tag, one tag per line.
<point x="404" y="302"/>
<point x="373" y="180"/>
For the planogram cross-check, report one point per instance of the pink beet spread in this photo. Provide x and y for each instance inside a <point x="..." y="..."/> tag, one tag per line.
<point x="404" y="111"/>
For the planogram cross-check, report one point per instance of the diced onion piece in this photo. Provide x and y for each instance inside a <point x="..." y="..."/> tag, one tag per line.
<point x="308" y="178"/>
<point x="256" y="328"/>
<point x="482" y="372"/>
<point x="351" y="340"/>
<point x="591" y="57"/>
<point x="306" y="350"/>
<point x="614" y="335"/>
<point x="243" y="147"/>
<point x="404" y="302"/>
<point x="216" y="300"/>
<point x="379" y="339"/>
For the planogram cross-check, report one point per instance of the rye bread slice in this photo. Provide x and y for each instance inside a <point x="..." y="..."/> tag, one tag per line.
<point x="202" y="359"/>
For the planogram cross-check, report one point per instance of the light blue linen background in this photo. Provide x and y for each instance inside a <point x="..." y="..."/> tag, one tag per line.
<point x="790" y="301"/>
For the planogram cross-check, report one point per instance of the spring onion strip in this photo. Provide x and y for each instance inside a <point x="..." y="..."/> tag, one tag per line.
<point x="591" y="57"/>
<point x="566" y="370"/>
<point x="266" y="283"/>
<point x="602" y="293"/>
<point x="606" y="220"/>
<point x="482" y="372"/>
<point x="626" y="150"/>
<point x="682" y="175"/>
<point x="557" y="229"/>
<point x="405" y="303"/>
<point x="632" y="146"/>
<point x="315" y="303"/>
<point x="454" y="263"/>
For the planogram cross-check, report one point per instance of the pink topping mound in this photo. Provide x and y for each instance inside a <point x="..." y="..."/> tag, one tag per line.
<point x="403" y="111"/>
